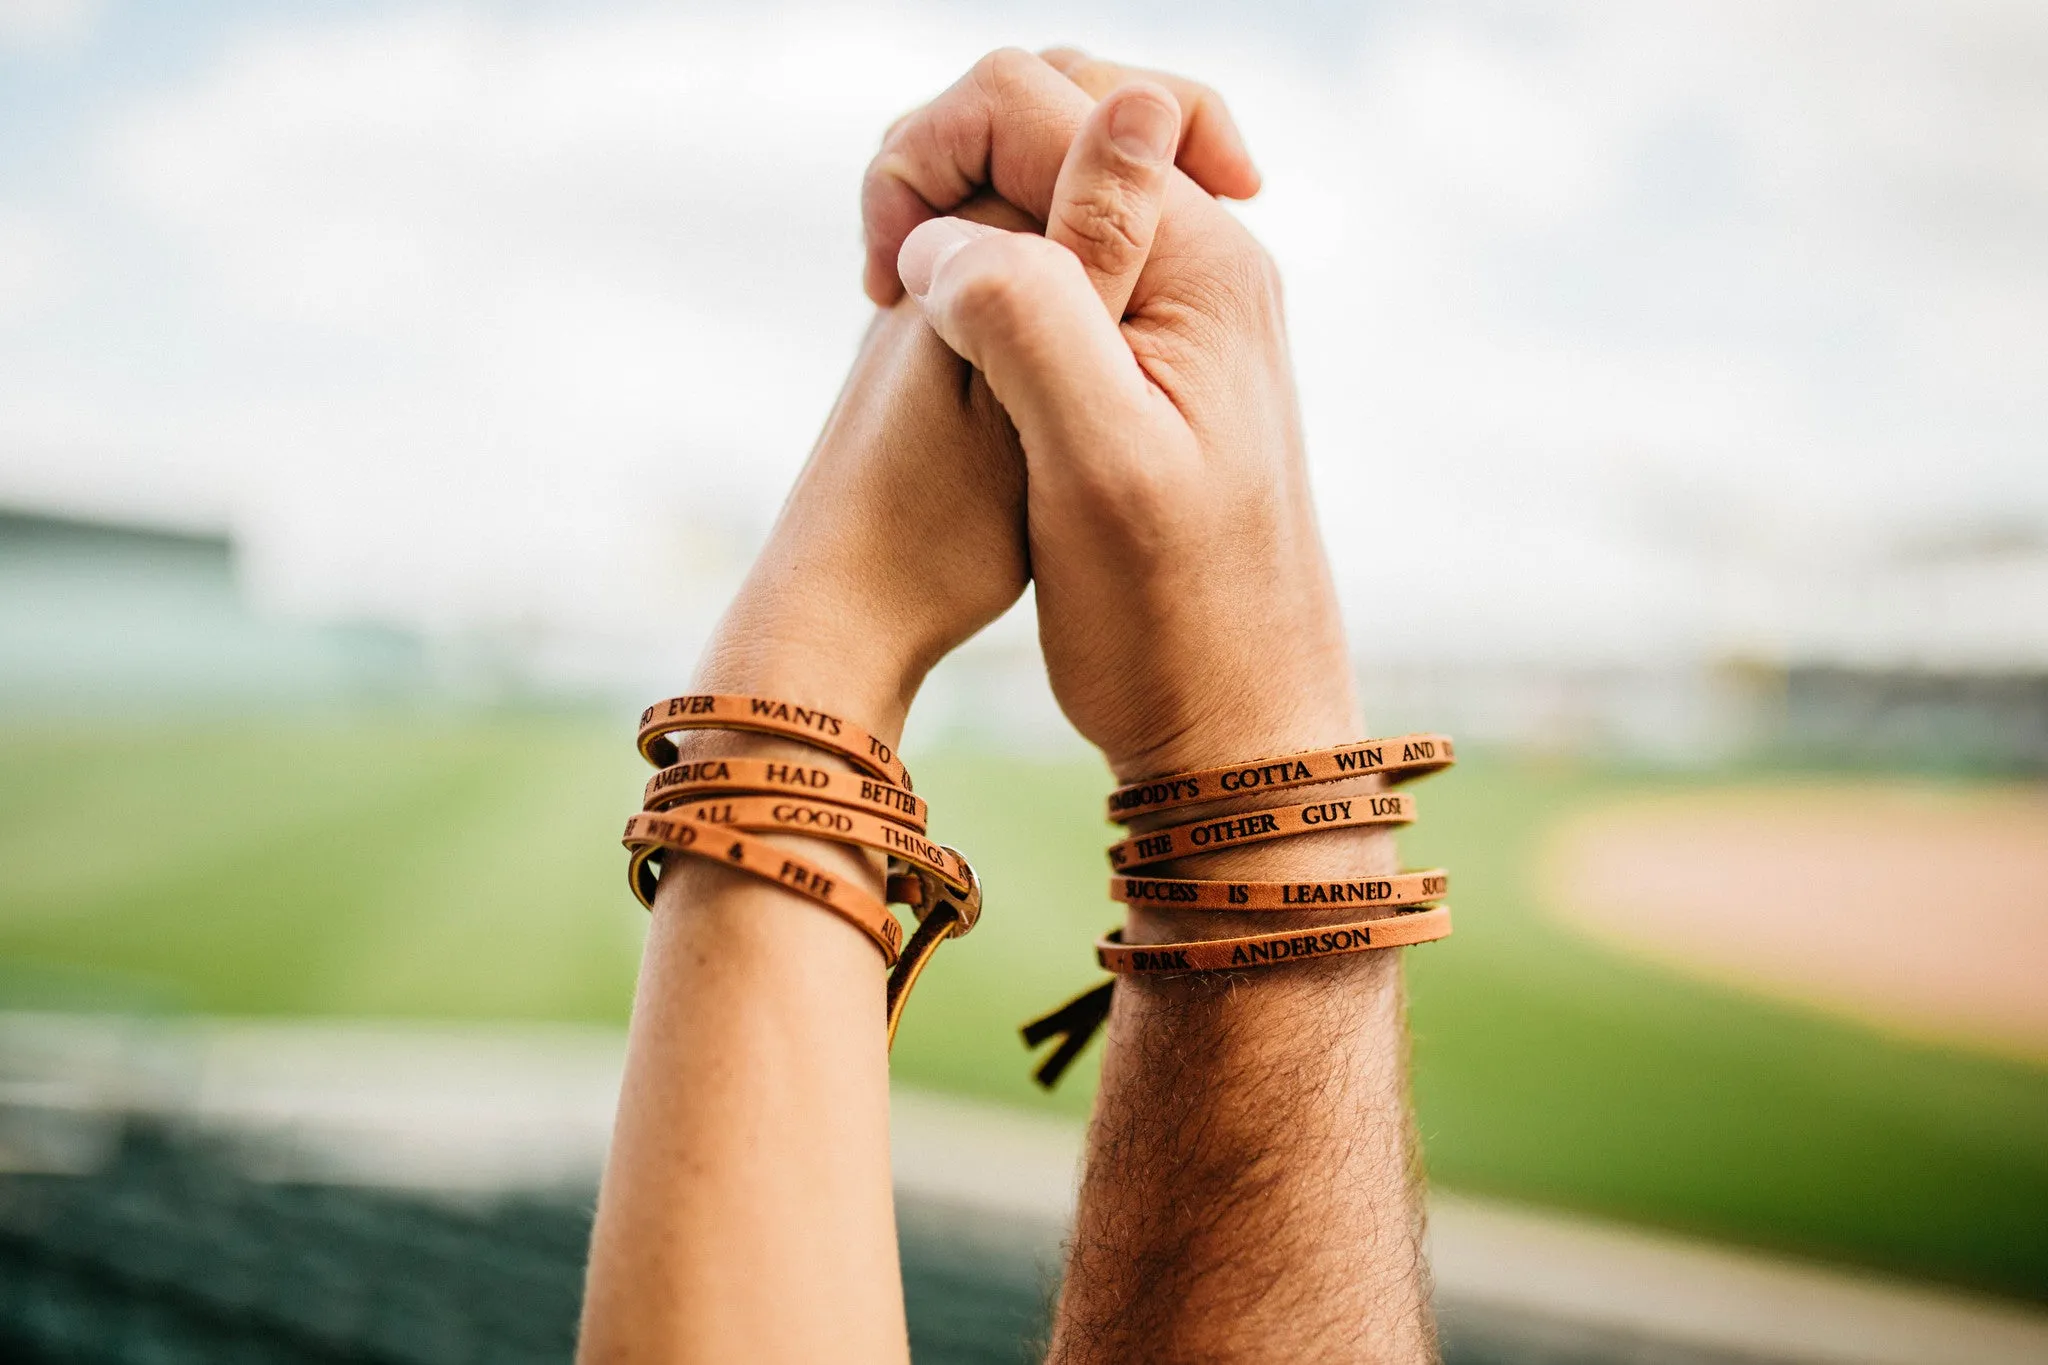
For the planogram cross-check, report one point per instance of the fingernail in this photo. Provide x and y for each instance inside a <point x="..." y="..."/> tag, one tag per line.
<point x="927" y="248"/>
<point x="1143" y="129"/>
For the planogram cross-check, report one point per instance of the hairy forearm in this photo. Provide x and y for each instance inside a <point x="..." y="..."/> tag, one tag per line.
<point x="1250" y="1192"/>
<point x="746" y="1212"/>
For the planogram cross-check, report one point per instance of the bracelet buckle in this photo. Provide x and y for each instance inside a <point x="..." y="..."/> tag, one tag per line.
<point x="934" y="892"/>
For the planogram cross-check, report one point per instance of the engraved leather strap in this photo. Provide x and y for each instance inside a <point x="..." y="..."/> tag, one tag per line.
<point x="1176" y="893"/>
<point x="941" y="914"/>
<point x="1078" y="1021"/>
<point x="648" y="836"/>
<point x="1251" y="827"/>
<point x="767" y="716"/>
<point x="1267" y="950"/>
<point x="716" y="807"/>
<point x="785" y="815"/>
<point x="1401" y="759"/>
<point x="712" y="776"/>
<point x="1397" y="759"/>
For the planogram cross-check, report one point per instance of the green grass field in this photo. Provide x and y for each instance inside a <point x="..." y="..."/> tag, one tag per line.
<point x="425" y="868"/>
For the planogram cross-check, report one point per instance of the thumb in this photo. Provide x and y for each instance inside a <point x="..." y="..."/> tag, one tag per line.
<point x="1106" y="203"/>
<point x="1024" y="312"/>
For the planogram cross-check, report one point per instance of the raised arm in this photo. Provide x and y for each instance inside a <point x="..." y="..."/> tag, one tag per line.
<point x="745" y="1213"/>
<point x="1249" y="1193"/>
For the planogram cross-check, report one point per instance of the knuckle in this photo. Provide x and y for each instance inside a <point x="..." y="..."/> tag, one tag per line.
<point x="1002" y="70"/>
<point x="917" y="135"/>
<point x="1105" y="225"/>
<point x="1014" y="280"/>
<point x="899" y="134"/>
<point x="1096" y="77"/>
<point x="989" y="305"/>
<point x="882" y="175"/>
<point x="994" y="294"/>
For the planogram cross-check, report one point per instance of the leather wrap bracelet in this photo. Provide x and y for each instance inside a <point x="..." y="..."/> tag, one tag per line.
<point x="649" y="836"/>
<point x="1401" y="759"/>
<point x="765" y="715"/>
<point x="719" y="806"/>
<point x="725" y="807"/>
<point x="1178" y="893"/>
<point x="1260" y="950"/>
<point x="714" y="776"/>
<point x="785" y="815"/>
<point x="1257" y="826"/>
<point x="1411" y="897"/>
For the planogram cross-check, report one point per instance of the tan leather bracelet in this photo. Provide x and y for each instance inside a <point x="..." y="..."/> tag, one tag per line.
<point x="1398" y="759"/>
<point x="1402" y="758"/>
<point x="648" y="836"/>
<point x="1175" y="893"/>
<point x="1252" y="827"/>
<point x="1078" y="1021"/>
<point x="711" y="776"/>
<point x="820" y="820"/>
<point x="941" y="914"/>
<point x="1266" y="950"/>
<point x="767" y="716"/>
<point x="922" y="878"/>
<point x="874" y="811"/>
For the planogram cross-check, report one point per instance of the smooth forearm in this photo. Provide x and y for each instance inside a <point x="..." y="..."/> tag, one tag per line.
<point x="746" y="1210"/>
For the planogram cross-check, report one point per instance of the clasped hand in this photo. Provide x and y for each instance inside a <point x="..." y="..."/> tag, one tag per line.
<point x="1078" y="376"/>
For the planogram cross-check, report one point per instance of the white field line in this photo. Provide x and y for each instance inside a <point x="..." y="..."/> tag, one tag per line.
<point x="499" y="1108"/>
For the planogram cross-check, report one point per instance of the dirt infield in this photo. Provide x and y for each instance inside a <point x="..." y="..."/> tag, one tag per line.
<point x="1920" y="909"/>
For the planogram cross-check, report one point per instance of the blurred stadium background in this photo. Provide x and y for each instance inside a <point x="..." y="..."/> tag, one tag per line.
<point x="391" y="395"/>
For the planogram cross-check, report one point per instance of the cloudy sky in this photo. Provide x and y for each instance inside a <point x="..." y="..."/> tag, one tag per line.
<point x="1685" y="330"/>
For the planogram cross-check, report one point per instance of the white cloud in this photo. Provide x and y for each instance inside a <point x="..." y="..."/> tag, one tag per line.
<point x="1557" y="263"/>
<point x="469" y="318"/>
<point x="34" y="266"/>
<point x="36" y="26"/>
<point x="484" y="301"/>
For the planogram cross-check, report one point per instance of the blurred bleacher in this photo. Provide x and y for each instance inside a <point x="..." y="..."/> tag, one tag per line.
<point x="170" y="1254"/>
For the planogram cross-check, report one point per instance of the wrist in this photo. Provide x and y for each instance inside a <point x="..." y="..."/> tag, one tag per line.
<point x="1204" y="692"/>
<point x="1242" y="724"/>
<point x="816" y="658"/>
